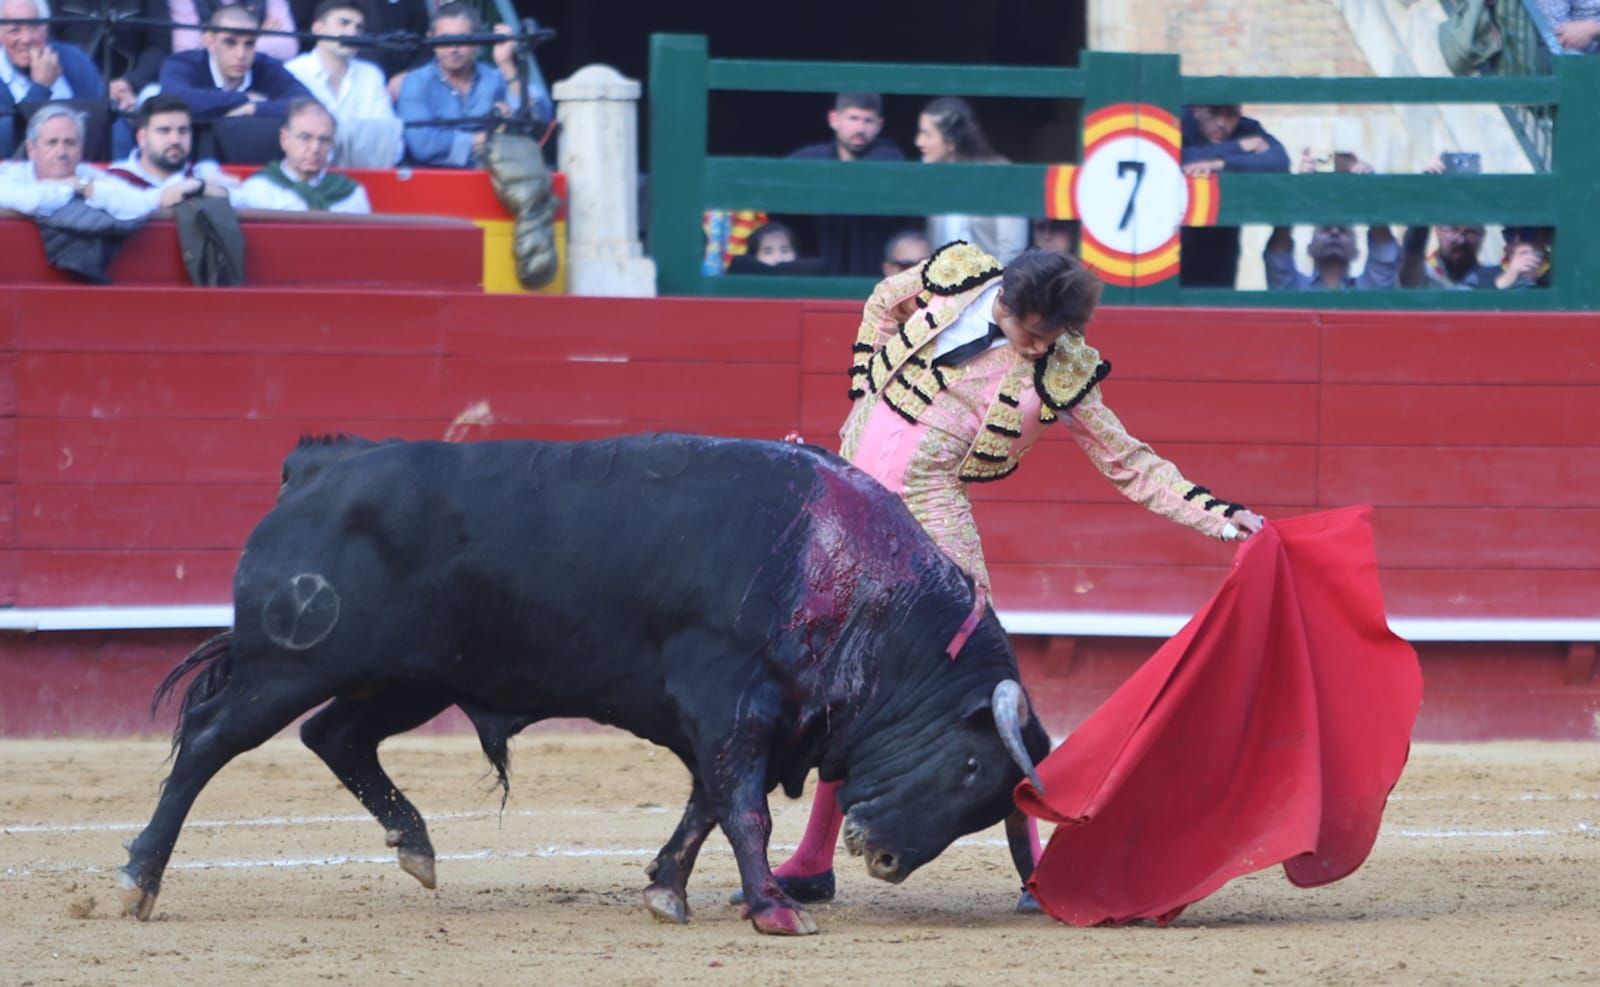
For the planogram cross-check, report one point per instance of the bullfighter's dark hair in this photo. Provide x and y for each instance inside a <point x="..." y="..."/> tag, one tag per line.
<point x="1056" y="286"/>
<point x="859" y="101"/>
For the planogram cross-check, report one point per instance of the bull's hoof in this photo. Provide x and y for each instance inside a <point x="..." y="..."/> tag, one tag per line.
<point x="666" y="904"/>
<point x="1028" y="904"/>
<point x="136" y="901"/>
<point x="420" y="866"/>
<point x="781" y="920"/>
<point x="806" y="890"/>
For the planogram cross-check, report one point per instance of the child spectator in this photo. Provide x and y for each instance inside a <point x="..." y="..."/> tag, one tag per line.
<point x="904" y="251"/>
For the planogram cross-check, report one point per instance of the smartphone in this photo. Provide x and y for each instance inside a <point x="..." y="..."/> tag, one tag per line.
<point x="1461" y="162"/>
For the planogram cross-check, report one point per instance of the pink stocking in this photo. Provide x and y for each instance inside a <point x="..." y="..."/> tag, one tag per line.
<point x="815" y="853"/>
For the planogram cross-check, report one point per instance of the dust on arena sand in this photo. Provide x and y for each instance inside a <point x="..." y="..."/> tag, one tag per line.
<point x="1488" y="871"/>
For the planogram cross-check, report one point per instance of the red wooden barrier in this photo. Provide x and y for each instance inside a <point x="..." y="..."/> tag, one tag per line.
<point x="141" y="433"/>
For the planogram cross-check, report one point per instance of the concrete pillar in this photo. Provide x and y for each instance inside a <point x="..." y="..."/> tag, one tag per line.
<point x="599" y="153"/>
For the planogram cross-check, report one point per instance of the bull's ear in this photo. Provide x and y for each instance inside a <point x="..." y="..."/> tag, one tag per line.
<point x="977" y="708"/>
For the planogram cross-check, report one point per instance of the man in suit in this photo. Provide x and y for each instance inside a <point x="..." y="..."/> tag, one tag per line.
<point x="240" y="95"/>
<point x="35" y="70"/>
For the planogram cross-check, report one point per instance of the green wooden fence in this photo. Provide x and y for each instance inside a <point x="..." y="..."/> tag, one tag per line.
<point x="685" y="181"/>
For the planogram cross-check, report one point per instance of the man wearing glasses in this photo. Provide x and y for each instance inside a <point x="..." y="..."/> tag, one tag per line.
<point x="300" y="181"/>
<point x="904" y="251"/>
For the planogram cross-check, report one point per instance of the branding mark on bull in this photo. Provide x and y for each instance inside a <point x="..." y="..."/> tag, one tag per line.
<point x="301" y="614"/>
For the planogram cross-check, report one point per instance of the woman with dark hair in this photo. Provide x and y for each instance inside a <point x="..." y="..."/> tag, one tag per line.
<point x="960" y="365"/>
<point x="948" y="130"/>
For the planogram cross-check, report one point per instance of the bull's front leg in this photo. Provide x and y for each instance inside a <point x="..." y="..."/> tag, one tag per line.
<point x="667" y="897"/>
<point x="747" y="823"/>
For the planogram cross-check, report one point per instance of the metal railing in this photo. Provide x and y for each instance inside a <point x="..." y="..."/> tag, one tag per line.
<point x="685" y="181"/>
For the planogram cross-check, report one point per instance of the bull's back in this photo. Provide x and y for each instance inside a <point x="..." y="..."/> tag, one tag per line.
<point x="573" y="550"/>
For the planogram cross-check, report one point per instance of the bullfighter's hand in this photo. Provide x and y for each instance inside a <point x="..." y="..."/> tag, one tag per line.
<point x="1245" y="524"/>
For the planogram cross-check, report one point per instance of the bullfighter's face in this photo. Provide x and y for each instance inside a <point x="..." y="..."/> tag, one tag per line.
<point x="1029" y="335"/>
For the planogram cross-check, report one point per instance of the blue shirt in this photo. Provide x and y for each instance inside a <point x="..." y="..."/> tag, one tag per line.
<point x="425" y="95"/>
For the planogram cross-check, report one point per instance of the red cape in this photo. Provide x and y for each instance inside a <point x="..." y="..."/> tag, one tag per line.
<point x="1271" y="729"/>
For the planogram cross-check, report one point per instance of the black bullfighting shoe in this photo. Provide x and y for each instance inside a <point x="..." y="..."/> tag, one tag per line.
<point x="805" y="890"/>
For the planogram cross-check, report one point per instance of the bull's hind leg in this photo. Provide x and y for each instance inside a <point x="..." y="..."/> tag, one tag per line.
<point x="667" y="897"/>
<point x="240" y="715"/>
<point x="346" y="734"/>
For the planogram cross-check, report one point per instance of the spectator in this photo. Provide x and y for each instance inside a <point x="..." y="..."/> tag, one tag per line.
<point x="1058" y="236"/>
<point x="1527" y="258"/>
<point x="36" y="71"/>
<point x="54" y="174"/>
<point x="383" y="17"/>
<point x="771" y="250"/>
<point x="1454" y="262"/>
<point x="269" y="15"/>
<point x="134" y="51"/>
<point x="948" y="131"/>
<point x="352" y="89"/>
<point x="301" y="182"/>
<point x="905" y="250"/>
<point x="1218" y="138"/>
<point x="237" y="92"/>
<point x="456" y="86"/>
<point x="772" y="243"/>
<point x="853" y="244"/>
<point x="1576" y="23"/>
<point x="160" y="163"/>
<point x="1333" y="253"/>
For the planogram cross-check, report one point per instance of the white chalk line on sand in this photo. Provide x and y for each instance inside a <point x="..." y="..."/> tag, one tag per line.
<point x="118" y="827"/>
<point x="345" y="860"/>
<point x="356" y="817"/>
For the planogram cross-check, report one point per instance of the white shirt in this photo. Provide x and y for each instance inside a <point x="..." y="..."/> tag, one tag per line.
<point x="261" y="192"/>
<point x="20" y="82"/>
<point x="972" y="323"/>
<point x="21" y="190"/>
<point x="204" y="170"/>
<point x="362" y="93"/>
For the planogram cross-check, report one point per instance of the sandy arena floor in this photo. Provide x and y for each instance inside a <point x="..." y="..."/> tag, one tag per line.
<point x="1488" y="871"/>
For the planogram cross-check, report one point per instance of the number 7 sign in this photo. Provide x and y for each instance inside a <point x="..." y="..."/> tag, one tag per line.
<point x="1130" y="194"/>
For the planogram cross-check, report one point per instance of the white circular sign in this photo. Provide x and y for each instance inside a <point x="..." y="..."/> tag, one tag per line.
<point x="1131" y="194"/>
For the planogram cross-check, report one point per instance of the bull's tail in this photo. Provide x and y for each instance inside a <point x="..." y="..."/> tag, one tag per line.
<point x="212" y="666"/>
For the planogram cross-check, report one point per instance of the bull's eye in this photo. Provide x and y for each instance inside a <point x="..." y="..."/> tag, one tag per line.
<point x="972" y="765"/>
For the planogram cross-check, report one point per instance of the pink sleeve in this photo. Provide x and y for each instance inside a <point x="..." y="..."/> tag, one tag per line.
<point x="183" y="12"/>
<point x="279" y="18"/>
<point x="1142" y="476"/>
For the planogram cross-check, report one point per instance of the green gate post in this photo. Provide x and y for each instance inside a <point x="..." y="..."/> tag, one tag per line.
<point x="1125" y="77"/>
<point x="677" y="94"/>
<point x="1576" y="252"/>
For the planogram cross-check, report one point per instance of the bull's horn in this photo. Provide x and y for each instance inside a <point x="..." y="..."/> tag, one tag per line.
<point x="1010" y="705"/>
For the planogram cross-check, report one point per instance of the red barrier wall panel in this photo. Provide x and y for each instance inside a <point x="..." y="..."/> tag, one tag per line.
<point x="181" y="385"/>
<point x="141" y="435"/>
<point x="1477" y="348"/>
<point x="1425" y="476"/>
<point x="250" y="321"/>
<point x="1512" y="415"/>
<point x="139" y="515"/>
<point x="623" y="329"/>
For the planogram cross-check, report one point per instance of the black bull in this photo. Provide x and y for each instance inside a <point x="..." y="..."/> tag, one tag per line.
<point x="758" y="608"/>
